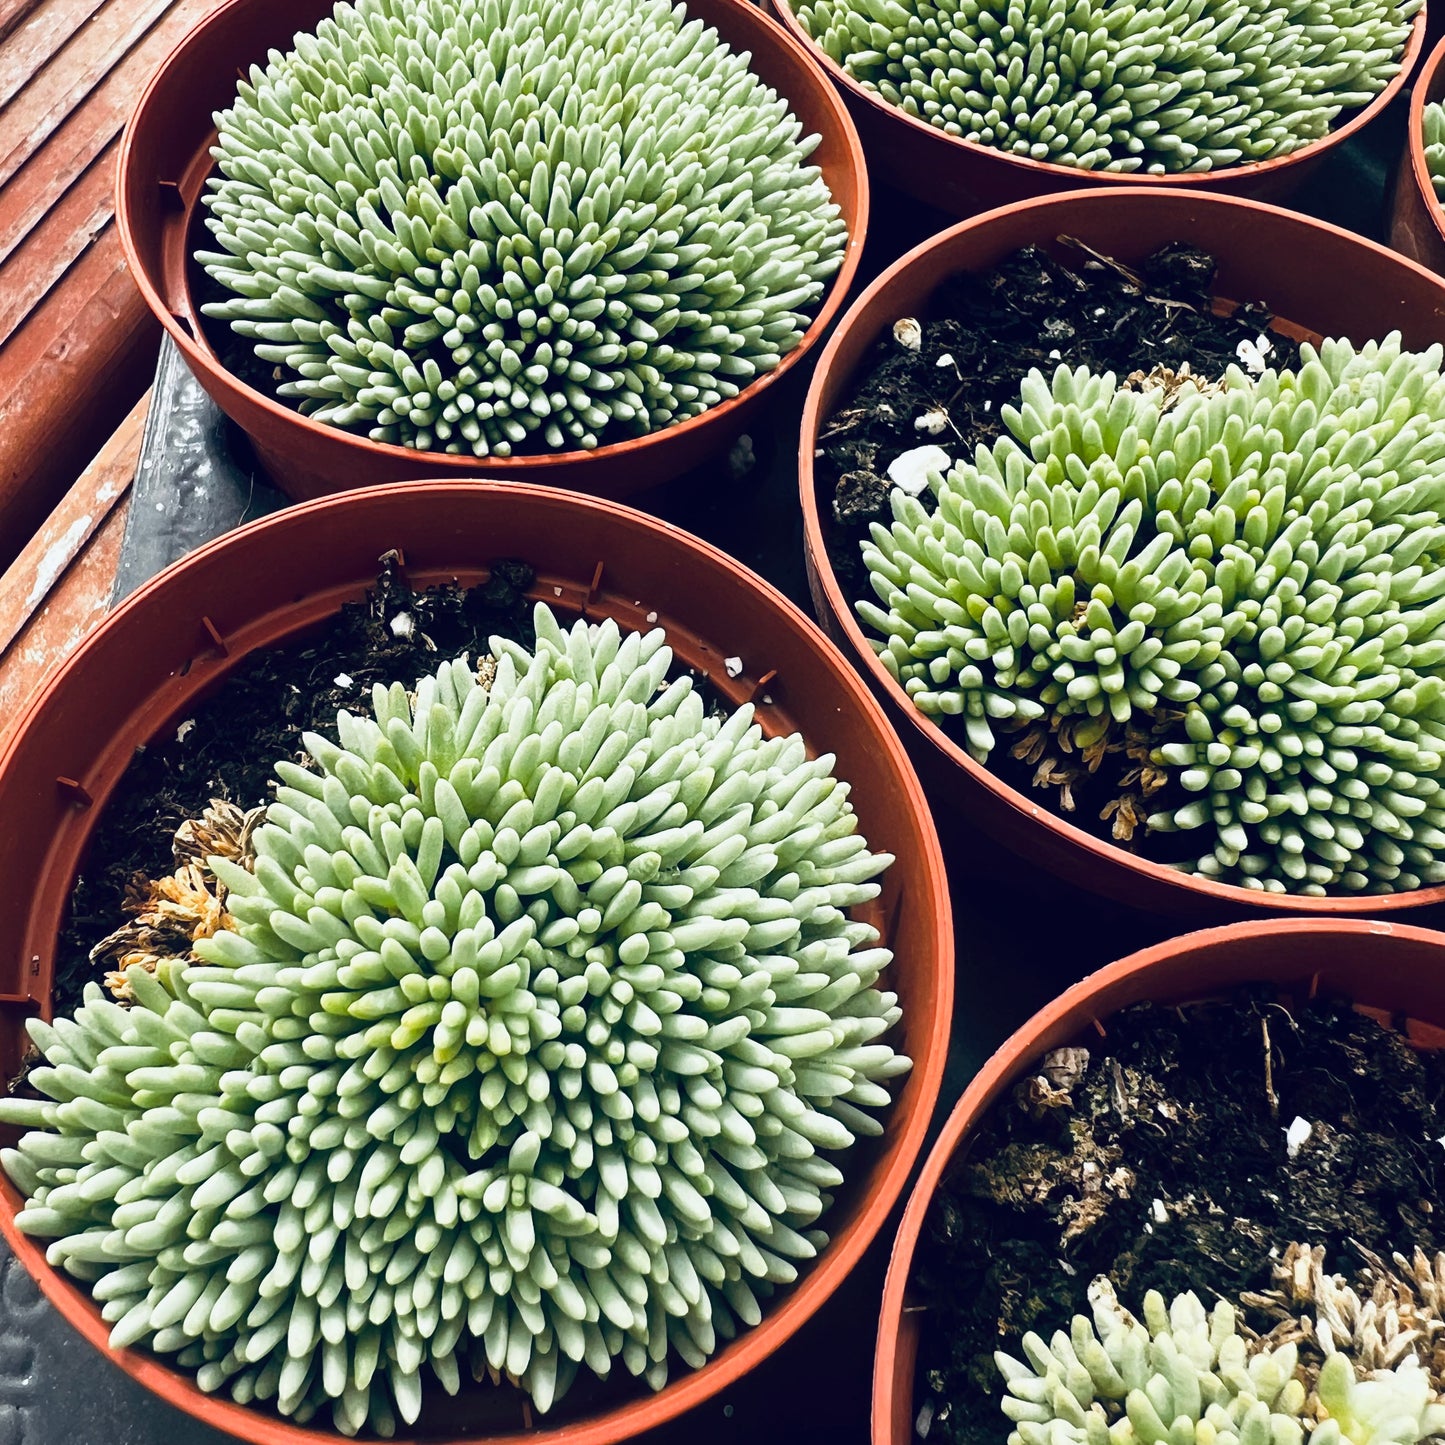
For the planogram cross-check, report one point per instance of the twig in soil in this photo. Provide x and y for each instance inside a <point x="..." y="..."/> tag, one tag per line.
<point x="1118" y="267"/>
<point x="1119" y="1096"/>
<point x="1269" y="1092"/>
<point x="1131" y="278"/>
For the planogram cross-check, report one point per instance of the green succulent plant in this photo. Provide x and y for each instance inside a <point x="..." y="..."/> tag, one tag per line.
<point x="477" y="227"/>
<point x="1267" y="562"/>
<point x="540" y="1016"/>
<point x="1184" y="1377"/>
<point x="1132" y="85"/>
<point x="1435" y="146"/>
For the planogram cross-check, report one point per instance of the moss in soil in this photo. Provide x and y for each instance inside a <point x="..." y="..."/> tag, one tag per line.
<point x="1163" y="1164"/>
<point x="228" y="745"/>
<point x="981" y="334"/>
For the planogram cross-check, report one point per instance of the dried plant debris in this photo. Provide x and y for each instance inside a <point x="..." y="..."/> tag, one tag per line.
<point x="1107" y="1161"/>
<point x="1117" y="765"/>
<point x="169" y="914"/>
<point x="1379" y="1315"/>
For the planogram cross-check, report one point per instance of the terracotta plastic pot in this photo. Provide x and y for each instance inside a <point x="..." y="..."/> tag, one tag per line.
<point x="1325" y="281"/>
<point x="962" y="178"/>
<point x="137" y="675"/>
<point x="1417" y="228"/>
<point x="1393" y="972"/>
<point x="165" y="159"/>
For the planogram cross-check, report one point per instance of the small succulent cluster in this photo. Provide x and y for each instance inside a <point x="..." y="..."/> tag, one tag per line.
<point x="524" y="1050"/>
<point x="515" y="224"/>
<point x="1266" y="562"/>
<point x="1179" y="85"/>
<point x="1182" y="1376"/>
<point x="1435" y="146"/>
<point x="1386" y="1315"/>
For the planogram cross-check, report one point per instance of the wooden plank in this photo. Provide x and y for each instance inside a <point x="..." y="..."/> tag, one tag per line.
<point x="12" y="12"/>
<point x="34" y="179"/>
<point x="66" y="233"/>
<point x="59" y="626"/>
<point x="48" y="26"/>
<point x="30" y="579"/>
<point x="68" y="377"/>
<point x="92" y="57"/>
<point x="60" y="586"/>
<point x="77" y="344"/>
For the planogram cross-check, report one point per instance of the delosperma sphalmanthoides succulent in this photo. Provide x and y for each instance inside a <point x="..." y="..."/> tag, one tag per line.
<point x="515" y="225"/>
<point x="1434" y="139"/>
<point x="1264" y="564"/>
<point x="1184" y="1376"/>
<point x="1180" y="85"/>
<point x="526" y="1048"/>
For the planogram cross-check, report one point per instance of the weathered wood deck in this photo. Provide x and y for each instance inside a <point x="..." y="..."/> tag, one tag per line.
<point x="59" y="586"/>
<point x="77" y="346"/>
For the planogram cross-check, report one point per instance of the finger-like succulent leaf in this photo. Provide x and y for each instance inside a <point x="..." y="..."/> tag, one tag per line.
<point x="1115" y="85"/>
<point x="1266" y="562"/>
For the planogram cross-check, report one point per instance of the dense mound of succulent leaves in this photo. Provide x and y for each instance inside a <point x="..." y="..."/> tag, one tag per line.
<point x="477" y="227"/>
<point x="1264" y="563"/>
<point x="1435" y="146"/>
<point x="524" y="1050"/>
<point x="1182" y="1376"/>
<point x="1126" y="86"/>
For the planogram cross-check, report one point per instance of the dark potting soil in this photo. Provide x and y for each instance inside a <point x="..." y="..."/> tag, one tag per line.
<point x="1033" y="310"/>
<point x="1176" y="1114"/>
<point x="228" y="746"/>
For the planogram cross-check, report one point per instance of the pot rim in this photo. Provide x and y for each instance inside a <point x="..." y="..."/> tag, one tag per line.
<point x="1183" y="885"/>
<point x="1419" y="98"/>
<point x="876" y="1198"/>
<point x="1027" y="167"/>
<point x="1017" y="1051"/>
<point x="202" y="358"/>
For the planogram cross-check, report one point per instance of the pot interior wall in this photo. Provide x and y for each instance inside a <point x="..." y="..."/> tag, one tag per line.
<point x="1395" y="974"/>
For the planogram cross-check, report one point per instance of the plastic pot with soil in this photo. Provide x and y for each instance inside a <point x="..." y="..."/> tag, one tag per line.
<point x="448" y="1151"/>
<point x="598" y="310"/>
<point x="1417" y="226"/>
<point x="1013" y="57"/>
<point x="1248" y="1115"/>
<point x="1220" y="785"/>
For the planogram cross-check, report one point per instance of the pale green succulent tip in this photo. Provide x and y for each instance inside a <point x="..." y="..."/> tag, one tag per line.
<point x="1120" y="86"/>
